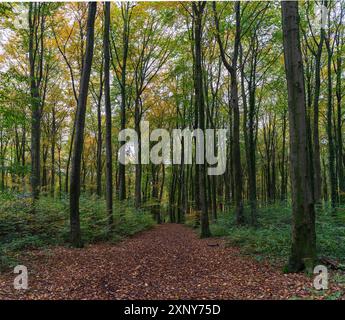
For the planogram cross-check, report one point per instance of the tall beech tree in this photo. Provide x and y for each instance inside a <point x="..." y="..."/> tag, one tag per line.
<point x="330" y="133"/>
<point x="108" y="126"/>
<point x="76" y="239"/>
<point x="98" y="100"/>
<point x="339" y="43"/>
<point x="303" y="251"/>
<point x="198" y="11"/>
<point x="38" y="85"/>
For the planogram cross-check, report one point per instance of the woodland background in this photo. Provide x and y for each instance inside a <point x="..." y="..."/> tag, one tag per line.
<point x="176" y="65"/>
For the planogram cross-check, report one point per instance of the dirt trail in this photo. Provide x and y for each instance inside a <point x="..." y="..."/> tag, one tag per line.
<point x="166" y="262"/>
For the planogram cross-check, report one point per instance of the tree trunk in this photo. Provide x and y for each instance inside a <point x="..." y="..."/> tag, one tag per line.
<point x="79" y="132"/>
<point x="99" y="137"/>
<point x="70" y="153"/>
<point x="52" y="151"/>
<point x="138" y="167"/>
<point x="339" y="131"/>
<point x="283" y="188"/>
<point x="108" y="146"/>
<point x="303" y="251"/>
<point x="316" y="139"/>
<point x="198" y="9"/>
<point x="331" y="151"/>
<point x="125" y="36"/>
<point x="35" y="105"/>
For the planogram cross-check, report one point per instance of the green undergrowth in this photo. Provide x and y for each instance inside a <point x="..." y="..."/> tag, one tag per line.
<point x="272" y="237"/>
<point x="20" y="229"/>
<point x="270" y="240"/>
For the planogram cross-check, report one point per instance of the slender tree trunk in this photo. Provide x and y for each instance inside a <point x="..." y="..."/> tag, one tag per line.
<point x="252" y="152"/>
<point x="3" y="147"/>
<point x="331" y="151"/>
<point x="283" y="188"/>
<point x="236" y="125"/>
<point x="35" y="106"/>
<point x="339" y="131"/>
<point x="303" y="251"/>
<point x="198" y="9"/>
<point x="162" y="184"/>
<point x="316" y="139"/>
<point x="195" y="186"/>
<point x="172" y="195"/>
<point x="59" y="165"/>
<point x="52" y="151"/>
<point x="249" y="134"/>
<point x="44" y="166"/>
<point x="108" y="146"/>
<point x="155" y="209"/>
<point x="23" y="162"/>
<point x="79" y="133"/>
<point x="138" y="167"/>
<point x="99" y="138"/>
<point x="70" y="154"/>
<point x="125" y="36"/>
<point x="325" y="187"/>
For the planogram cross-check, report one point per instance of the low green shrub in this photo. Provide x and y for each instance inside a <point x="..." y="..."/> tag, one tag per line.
<point x="21" y="229"/>
<point x="272" y="238"/>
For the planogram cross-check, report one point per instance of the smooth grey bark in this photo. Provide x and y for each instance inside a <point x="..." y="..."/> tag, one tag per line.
<point x="338" y="64"/>
<point x="36" y="49"/>
<point x="138" y="166"/>
<point x="303" y="250"/>
<point x="125" y="37"/>
<point x="249" y="126"/>
<point x="195" y="186"/>
<point x="316" y="138"/>
<point x="99" y="135"/>
<point x="331" y="149"/>
<point x="76" y="239"/>
<point x="198" y="10"/>
<point x="339" y="130"/>
<point x="108" y="144"/>
<point x="52" y="152"/>
<point x="283" y="185"/>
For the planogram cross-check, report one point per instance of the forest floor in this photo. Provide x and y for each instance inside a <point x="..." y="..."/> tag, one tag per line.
<point x="167" y="262"/>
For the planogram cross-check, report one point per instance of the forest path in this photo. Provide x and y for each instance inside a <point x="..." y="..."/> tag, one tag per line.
<point x="166" y="262"/>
